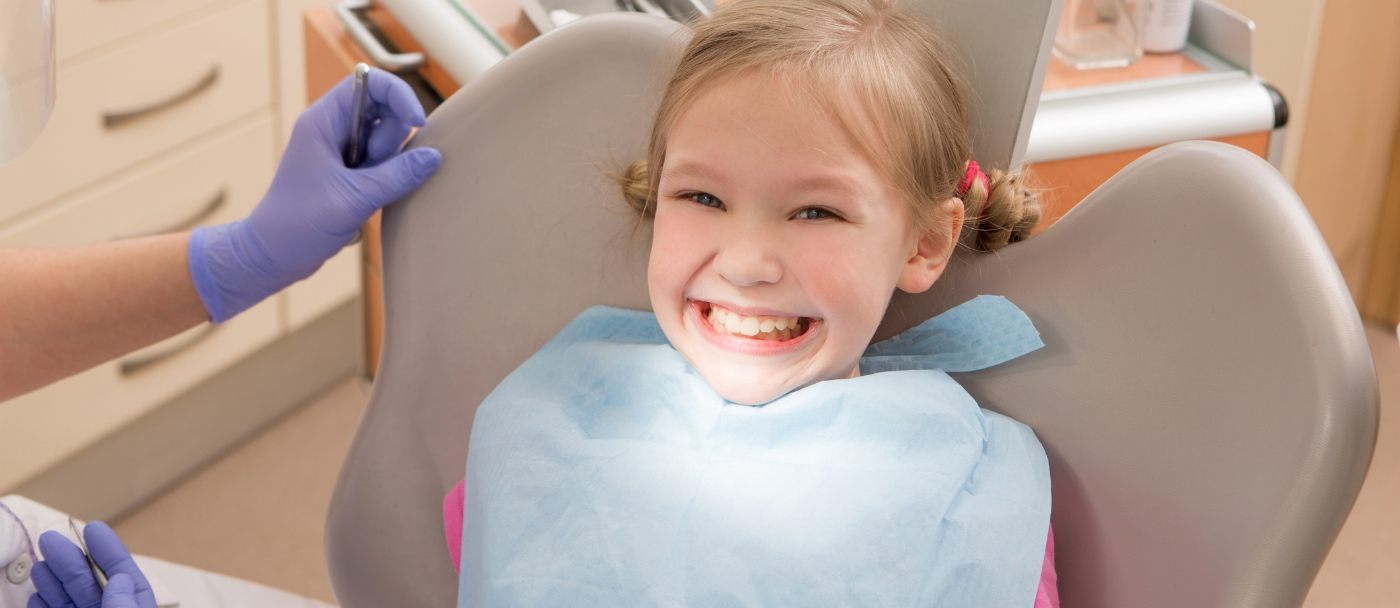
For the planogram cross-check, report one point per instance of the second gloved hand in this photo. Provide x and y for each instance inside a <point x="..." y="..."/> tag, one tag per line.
<point x="64" y="579"/>
<point x="316" y="204"/>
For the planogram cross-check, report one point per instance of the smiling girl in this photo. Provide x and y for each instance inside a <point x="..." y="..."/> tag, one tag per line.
<point x="809" y="157"/>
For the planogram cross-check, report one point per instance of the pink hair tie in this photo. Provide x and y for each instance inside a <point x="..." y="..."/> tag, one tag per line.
<point x="974" y="173"/>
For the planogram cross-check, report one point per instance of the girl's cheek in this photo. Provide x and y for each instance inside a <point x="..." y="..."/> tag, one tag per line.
<point x="821" y="251"/>
<point x="672" y="242"/>
<point x="837" y="273"/>
<point x="678" y="234"/>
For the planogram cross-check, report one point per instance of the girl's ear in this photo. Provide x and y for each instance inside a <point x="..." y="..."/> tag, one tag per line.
<point x="932" y="249"/>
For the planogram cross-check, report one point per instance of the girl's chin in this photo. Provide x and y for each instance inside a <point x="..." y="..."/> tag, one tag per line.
<point x="748" y="396"/>
<point x="745" y="387"/>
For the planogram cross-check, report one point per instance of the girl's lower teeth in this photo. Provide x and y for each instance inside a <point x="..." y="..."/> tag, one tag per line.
<point x="786" y="334"/>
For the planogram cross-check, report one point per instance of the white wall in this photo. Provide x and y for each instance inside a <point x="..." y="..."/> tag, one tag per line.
<point x="1286" y="37"/>
<point x="1338" y="64"/>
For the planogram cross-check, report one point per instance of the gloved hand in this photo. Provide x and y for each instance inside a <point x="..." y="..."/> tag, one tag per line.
<point x="315" y="204"/>
<point x="64" y="580"/>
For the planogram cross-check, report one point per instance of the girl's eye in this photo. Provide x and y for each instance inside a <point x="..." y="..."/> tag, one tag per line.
<point x="707" y="200"/>
<point x="815" y="213"/>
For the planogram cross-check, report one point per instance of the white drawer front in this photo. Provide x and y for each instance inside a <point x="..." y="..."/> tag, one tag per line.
<point x="135" y="101"/>
<point x="209" y="181"/>
<point x="40" y="429"/>
<point x="87" y="24"/>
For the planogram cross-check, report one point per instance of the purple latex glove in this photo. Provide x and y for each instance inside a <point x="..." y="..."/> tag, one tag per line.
<point x="64" y="580"/>
<point x="315" y="204"/>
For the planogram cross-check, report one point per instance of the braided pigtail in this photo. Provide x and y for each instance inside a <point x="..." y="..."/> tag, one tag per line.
<point x="999" y="210"/>
<point x="635" y="183"/>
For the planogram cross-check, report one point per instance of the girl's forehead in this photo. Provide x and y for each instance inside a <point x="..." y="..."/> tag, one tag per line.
<point x="786" y="114"/>
<point x="756" y="105"/>
<point x="786" y="85"/>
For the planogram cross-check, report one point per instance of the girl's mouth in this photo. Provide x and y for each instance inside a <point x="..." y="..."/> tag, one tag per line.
<point x="751" y="334"/>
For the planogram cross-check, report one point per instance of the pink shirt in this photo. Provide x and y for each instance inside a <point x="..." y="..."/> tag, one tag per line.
<point x="1046" y="596"/>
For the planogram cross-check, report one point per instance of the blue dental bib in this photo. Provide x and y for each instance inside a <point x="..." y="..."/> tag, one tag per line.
<point x="605" y="472"/>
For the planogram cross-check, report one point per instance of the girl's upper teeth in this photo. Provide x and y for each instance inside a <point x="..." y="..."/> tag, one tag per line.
<point x="749" y="326"/>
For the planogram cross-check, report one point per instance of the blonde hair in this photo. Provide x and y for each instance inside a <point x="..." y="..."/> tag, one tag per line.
<point x="863" y="60"/>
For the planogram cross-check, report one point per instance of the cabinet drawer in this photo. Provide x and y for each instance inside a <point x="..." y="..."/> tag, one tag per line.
<point x="135" y="101"/>
<point x="42" y="428"/>
<point x="87" y="24"/>
<point x="205" y="182"/>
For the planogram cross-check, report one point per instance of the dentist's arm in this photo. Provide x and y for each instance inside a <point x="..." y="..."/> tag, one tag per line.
<point x="64" y="311"/>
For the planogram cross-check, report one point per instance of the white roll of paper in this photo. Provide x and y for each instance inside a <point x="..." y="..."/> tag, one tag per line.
<point x="452" y="34"/>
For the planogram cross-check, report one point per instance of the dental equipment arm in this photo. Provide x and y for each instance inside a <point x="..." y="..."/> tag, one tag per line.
<point x="63" y="311"/>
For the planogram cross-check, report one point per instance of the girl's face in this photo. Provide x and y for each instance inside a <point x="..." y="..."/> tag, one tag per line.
<point x="776" y="243"/>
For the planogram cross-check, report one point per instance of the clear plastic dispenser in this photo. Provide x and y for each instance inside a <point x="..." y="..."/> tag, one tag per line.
<point x="1100" y="33"/>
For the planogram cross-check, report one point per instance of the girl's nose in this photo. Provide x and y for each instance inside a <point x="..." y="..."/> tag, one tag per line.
<point x="746" y="259"/>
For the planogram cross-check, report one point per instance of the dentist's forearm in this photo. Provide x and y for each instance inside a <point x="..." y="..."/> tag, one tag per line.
<point x="64" y="311"/>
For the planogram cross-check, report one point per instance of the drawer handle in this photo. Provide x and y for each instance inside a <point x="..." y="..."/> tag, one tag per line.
<point x="135" y="365"/>
<point x="113" y="120"/>
<point x="394" y="62"/>
<point x="209" y="209"/>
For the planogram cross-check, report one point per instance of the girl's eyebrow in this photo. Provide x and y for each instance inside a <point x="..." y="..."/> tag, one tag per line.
<point x="824" y="182"/>
<point x="820" y="181"/>
<point x="686" y="169"/>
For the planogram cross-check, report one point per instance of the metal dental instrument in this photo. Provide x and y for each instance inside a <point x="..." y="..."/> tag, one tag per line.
<point x="97" y="573"/>
<point x="359" y="135"/>
<point x="360" y="104"/>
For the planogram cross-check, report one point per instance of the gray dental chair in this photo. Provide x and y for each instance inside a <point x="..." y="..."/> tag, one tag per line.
<point x="1206" y="394"/>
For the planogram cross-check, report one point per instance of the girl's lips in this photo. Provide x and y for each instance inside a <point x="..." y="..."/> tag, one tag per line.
<point x="749" y="346"/>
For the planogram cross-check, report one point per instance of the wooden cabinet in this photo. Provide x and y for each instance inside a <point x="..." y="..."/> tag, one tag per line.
<point x="165" y="119"/>
<point x="142" y="99"/>
<point x="89" y="25"/>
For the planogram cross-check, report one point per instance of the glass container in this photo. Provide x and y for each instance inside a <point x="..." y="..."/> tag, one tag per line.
<point x="1100" y="33"/>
